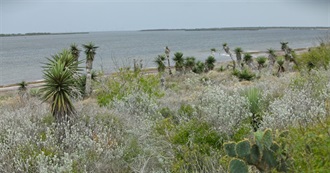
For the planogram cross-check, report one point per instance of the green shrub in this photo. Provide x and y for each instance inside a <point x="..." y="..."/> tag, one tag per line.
<point x="316" y="58"/>
<point x="244" y="74"/>
<point x="199" y="67"/>
<point x="125" y="83"/>
<point x="186" y="110"/>
<point x="310" y="147"/>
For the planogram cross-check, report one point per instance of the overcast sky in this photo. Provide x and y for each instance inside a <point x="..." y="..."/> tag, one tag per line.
<point x="21" y="16"/>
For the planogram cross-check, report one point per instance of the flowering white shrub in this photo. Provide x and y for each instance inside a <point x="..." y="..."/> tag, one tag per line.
<point x="224" y="109"/>
<point x="297" y="107"/>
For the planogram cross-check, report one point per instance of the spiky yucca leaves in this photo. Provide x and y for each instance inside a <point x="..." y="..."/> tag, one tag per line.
<point x="66" y="58"/>
<point x="22" y="90"/>
<point x="160" y="63"/>
<point x="271" y="58"/>
<point x="74" y="51"/>
<point x="209" y="62"/>
<point x="22" y="86"/>
<point x="189" y="63"/>
<point x="285" y="47"/>
<point x="248" y="60"/>
<point x="238" y="52"/>
<point x="199" y="67"/>
<point x="179" y="61"/>
<point x="90" y="51"/>
<point x="59" y="81"/>
<point x="261" y="61"/>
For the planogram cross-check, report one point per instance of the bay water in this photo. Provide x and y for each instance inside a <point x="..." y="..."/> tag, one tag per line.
<point x="21" y="57"/>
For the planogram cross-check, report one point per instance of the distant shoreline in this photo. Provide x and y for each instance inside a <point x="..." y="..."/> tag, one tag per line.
<point x="240" y="28"/>
<point x="41" y="33"/>
<point x="38" y="83"/>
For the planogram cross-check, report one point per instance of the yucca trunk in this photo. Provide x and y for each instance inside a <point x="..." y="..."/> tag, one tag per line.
<point x="88" y="87"/>
<point x="239" y="59"/>
<point x="271" y="59"/>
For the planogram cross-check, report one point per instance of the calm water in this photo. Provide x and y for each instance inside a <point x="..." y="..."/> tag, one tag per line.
<point x="21" y="57"/>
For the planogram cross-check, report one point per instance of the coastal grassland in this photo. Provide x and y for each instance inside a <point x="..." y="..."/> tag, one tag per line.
<point x="131" y="123"/>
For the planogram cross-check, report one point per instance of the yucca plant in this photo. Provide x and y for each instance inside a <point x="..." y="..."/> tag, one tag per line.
<point x="90" y="51"/>
<point x="160" y="63"/>
<point x="209" y="62"/>
<point x="261" y="61"/>
<point x="179" y="61"/>
<point x="66" y="58"/>
<point x="271" y="58"/>
<point x="199" y="67"/>
<point x="285" y="47"/>
<point x="189" y="63"/>
<point x="74" y="51"/>
<point x="238" y="52"/>
<point x="248" y="60"/>
<point x="227" y="50"/>
<point x="213" y="50"/>
<point x="22" y="89"/>
<point x="59" y="82"/>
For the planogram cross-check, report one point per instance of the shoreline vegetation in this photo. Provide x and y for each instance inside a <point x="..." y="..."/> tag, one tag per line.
<point x="148" y="70"/>
<point x="240" y="29"/>
<point x="253" y="114"/>
<point x="41" y="33"/>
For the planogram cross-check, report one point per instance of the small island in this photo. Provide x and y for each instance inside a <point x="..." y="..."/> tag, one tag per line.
<point x="240" y="28"/>
<point x="41" y="33"/>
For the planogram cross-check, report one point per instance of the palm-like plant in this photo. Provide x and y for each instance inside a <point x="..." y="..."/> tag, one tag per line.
<point x="189" y="63"/>
<point x="248" y="60"/>
<point x="213" y="50"/>
<point x="90" y="51"/>
<point x="179" y="61"/>
<point x="59" y="82"/>
<point x="238" y="52"/>
<point x="284" y="47"/>
<point x="22" y="89"/>
<point x="22" y="86"/>
<point x="210" y="62"/>
<point x="74" y="51"/>
<point x="271" y="57"/>
<point x="65" y="58"/>
<point x="227" y="50"/>
<point x="199" y="67"/>
<point x="280" y="62"/>
<point x="160" y="63"/>
<point x="261" y="61"/>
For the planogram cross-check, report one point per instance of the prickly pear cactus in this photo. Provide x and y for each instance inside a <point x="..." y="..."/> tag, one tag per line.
<point x="238" y="166"/>
<point x="263" y="153"/>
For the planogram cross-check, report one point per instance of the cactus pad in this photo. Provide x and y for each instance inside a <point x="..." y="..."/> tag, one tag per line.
<point x="230" y="148"/>
<point x="243" y="148"/>
<point x="238" y="166"/>
<point x="267" y="139"/>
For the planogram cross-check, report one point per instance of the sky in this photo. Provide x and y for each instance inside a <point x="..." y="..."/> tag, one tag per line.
<point x="24" y="16"/>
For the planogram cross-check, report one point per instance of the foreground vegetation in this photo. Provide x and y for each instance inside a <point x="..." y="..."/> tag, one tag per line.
<point x="248" y="119"/>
